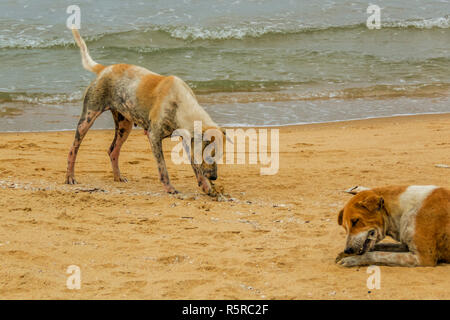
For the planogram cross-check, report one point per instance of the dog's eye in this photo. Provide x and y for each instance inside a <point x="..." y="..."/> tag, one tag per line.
<point x="354" y="222"/>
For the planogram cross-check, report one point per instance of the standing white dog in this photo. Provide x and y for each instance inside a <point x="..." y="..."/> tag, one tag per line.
<point x="159" y="104"/>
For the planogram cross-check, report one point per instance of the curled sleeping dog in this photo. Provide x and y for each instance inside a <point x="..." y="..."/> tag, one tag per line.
<point x="418" y="217"/>
<point x="135" y="95"/>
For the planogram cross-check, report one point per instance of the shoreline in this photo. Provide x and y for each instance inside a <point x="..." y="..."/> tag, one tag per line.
<point x="277" y="240"/>
<point x="395" y="116"/>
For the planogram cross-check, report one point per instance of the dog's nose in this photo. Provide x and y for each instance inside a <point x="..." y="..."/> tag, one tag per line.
<point x="213" y="177"/>
<point x="348" y="250"/>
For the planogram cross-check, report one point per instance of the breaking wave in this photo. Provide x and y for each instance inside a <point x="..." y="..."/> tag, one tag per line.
<point x="226" y="32"/>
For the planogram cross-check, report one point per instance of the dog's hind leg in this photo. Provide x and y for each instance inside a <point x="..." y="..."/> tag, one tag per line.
<point x="84" y="124"/>
<point x="123" y="129"/>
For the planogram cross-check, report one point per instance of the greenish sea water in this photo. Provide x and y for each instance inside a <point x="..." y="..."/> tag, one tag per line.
<point x="250" y="62"/>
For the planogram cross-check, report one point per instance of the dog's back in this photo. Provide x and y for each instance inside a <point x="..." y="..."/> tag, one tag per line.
<point x="122" y="87"/>
<point x="434" y="219"/>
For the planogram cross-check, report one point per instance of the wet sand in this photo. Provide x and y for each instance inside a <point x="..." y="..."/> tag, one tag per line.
<point x="277" y="240"/>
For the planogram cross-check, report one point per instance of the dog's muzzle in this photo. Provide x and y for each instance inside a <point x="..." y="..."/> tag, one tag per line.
<point x="362" y="243"/>
<point x="211" y="176"/>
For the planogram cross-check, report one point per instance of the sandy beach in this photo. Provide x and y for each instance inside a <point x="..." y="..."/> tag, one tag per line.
<point x="277" y="240"/>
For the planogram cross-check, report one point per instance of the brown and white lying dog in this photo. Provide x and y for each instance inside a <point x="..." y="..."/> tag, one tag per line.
<point x="418" y="217"/>
<point x="135" y="95"/>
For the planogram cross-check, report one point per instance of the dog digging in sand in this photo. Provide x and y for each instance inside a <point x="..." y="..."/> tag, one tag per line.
<point x="418" y="217"/>
<point x="159" y="104"/>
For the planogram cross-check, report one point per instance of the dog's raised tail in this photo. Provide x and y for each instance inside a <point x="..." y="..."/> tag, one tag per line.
<point x="86" y="59"/>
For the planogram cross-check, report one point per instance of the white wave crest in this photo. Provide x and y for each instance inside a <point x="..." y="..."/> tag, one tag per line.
<point x="227" y="32"/>
<point x="239" y="32"/>
<point x="48" y="99"/>
<point x="442" y="23"/>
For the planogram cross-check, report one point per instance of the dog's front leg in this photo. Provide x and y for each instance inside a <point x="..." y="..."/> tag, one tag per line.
<point x="401" y="259"/>
<point x="391" y="247"/>
<point x="156" y="143"/>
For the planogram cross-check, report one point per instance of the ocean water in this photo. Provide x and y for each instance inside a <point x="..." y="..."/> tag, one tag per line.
<point x="272" y="62"/>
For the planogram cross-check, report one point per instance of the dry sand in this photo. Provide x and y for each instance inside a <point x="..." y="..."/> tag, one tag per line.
<point x="277" y="240"/>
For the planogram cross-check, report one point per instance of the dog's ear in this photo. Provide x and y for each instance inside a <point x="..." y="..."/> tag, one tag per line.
<point x="356" y="189"/>
<point x="340" y="217"/>
<point x="372" y="203"/>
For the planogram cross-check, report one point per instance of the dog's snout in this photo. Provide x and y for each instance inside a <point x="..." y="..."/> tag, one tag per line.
<point x="349" y="250"/>
<point x="210" y="174"/>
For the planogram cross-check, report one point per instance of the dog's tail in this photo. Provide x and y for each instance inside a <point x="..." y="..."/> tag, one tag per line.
<point x="86" y="59"/>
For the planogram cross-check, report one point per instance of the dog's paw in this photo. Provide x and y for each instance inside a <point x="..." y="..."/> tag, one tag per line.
<point x="70" y="180"/>
<point x="217" y="192"/>
<point x="212" y="193"/>
<point x="121" y="179"/>
<point x="170" y="189"/>
<point x="207" y="188"/>
<point x="341" y="256"/>
<point x="350" y="261"/>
